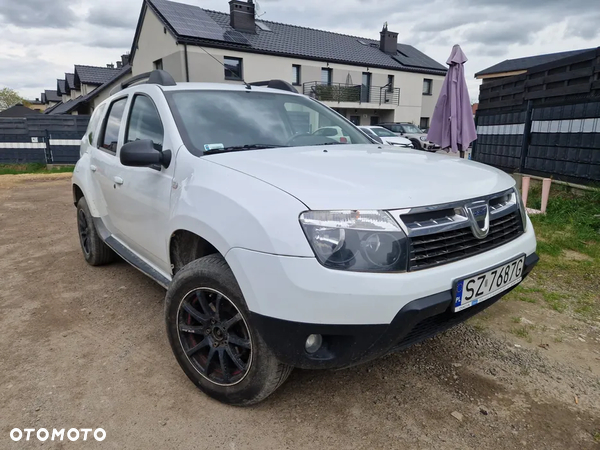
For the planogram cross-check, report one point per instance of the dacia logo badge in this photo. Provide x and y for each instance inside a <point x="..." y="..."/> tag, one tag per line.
<point x="478" y="214"/>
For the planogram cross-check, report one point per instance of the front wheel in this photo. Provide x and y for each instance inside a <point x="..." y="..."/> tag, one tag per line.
<point x="95" y="251"/>
<point x="211" y="335"/>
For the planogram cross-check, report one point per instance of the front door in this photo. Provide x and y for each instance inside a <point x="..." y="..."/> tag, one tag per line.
<point x="144" y="197"/>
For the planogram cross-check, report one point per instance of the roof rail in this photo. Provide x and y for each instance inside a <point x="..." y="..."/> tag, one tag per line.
<point x="160" y="77"/>
<point x="276" y="84"/>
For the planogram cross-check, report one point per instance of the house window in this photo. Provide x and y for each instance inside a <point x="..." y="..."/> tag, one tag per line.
<point x="233" y="68"/>
<point x="427" y="86"/>
<point x="296" y="75"/>
<point x="424" y="124"/>
<point x="326" y="75"/>
<point x="158" y="64"/>
<point x="390" y="83"/>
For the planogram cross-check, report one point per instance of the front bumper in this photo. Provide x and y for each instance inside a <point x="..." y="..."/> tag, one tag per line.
<point x="348" y="345"/>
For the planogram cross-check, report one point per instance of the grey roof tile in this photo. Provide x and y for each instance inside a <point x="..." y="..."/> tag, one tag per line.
<point x="61" y="87"/>
<point x="512" y="65"/>
<point x="93" y="75"/>
<point x="70" y="81"/>
<point x="291" y="40"/>
<point x="52" y="96"/>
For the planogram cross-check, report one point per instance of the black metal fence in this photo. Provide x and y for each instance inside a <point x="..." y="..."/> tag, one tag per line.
<point x="41" y="139"/>
<point x="339" y="92"/>
<point x="545" y="122"/>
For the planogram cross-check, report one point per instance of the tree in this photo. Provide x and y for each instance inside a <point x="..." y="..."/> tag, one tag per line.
<point x="8" y="98"/>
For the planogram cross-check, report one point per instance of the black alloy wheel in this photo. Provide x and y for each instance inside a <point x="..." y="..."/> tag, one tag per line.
<point x="84" y="232"/>
<point x="214" y="336"/>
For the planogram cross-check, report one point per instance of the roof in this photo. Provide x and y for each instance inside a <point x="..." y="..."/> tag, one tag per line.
<point x="61" y="88"/>
<point x="194" y="25"/>
<point x="52" y="96"/>
<point x="513" y="65"/>
<point x="93" y="75"/>
<point x="70" y="81"/>
<point x="18" y="110"/>
<point x="72" y="105"/>
<point x="52" y="108"/>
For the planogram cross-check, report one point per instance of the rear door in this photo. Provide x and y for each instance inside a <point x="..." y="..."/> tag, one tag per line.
<point x="104" y="163"/>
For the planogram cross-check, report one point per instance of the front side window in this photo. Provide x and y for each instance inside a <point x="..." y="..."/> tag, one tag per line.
<point x="229" y="120"/>
<point x="144" y="122"/>
<point x="112" y="125"/>
<point x="427" y="86"/>
<point x="233" y="68"/>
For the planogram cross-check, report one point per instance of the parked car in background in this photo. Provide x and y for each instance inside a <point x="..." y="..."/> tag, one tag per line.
<point x="333" y="133"/>
<point x="281" y="248"/>
<point x="386" y="136"/>
<point x="412" y="132"/>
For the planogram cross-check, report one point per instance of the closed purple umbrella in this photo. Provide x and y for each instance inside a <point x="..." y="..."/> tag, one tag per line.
<point x="452" y="124"/>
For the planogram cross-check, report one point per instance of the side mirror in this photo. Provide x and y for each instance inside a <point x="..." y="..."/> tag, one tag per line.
<point x="143" y="154"/>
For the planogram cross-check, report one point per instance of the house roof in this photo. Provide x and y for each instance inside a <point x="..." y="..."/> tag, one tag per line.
<point x="513" y="65"/>
<point x="72" y="105"/>
<point x="70" y="81"/>
<point x="61" y="87"/>
<point x="52" y="96"/>
<point x="52" y="108"/>
<point x="95" y="76"/>
<point x="18" y="110"/>
<point x="194" y="25"/>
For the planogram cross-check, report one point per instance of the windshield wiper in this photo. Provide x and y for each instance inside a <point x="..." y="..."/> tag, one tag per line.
<point x="236" y="148"/>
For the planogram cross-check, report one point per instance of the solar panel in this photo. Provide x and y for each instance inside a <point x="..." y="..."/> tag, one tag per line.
<point x="236" y="37"/>
<point x="189" y="20"/>
<point x="263" y="26"/>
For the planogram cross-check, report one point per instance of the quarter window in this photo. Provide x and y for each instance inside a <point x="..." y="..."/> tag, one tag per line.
<point x="233" y="68"/>
<point x="144" y="122"/>
<point x="93" y="125"/>
<point x="112" y="125"/>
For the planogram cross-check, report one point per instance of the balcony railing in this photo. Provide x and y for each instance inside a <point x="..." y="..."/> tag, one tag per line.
<point x="340" y="92"/>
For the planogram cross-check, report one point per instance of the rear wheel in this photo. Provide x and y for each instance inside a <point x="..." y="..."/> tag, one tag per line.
<point x="95" y="251"/>
<point x="213" y="339"/>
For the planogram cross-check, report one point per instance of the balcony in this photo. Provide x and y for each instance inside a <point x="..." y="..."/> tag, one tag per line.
<point x="344" y="93"/>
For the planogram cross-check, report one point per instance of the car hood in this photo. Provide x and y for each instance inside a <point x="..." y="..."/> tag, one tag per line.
<point x="366" y="176"/>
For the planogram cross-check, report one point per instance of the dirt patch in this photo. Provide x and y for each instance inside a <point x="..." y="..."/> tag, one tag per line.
<point x="576" y="256"/>
<point x="86" y="347"/>
<point x="8" y="181"/>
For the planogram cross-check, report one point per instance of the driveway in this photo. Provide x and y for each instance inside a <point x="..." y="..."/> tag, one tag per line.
<point x="86" y="347"/>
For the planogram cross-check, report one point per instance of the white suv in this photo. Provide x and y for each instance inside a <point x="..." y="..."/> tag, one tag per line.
<point x="282" y="249"/>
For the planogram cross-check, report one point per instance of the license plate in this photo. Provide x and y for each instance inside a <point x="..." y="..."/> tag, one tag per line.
<point x="478" y="288"/>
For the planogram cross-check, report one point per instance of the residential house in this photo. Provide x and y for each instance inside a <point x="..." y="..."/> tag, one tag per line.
<point x="18" y="110"/>
<point x="366" y="80"/>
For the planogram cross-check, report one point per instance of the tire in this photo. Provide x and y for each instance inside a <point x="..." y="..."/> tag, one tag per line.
<point x="94" y="250"/>
<point x="417" y="144"/>
<point x="207" y="350"/>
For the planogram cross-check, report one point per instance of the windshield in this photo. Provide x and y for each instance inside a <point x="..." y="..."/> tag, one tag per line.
<point x="382" y="132"/>
<point x="410" y="128"/>
<point x="213" y="121"/>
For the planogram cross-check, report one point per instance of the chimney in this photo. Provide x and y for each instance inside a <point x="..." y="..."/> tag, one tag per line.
<point x="119" y="65"/>
<point x="389" y="41"/>
<point x="110" y="66"/>
<point x="242" y="15"/>
<point x="125" y="59"/>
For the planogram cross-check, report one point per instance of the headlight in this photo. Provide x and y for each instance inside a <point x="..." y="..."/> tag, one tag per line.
<point x="360" y="241"/>
<point x="522" y="209"/>
<point x="423" y="138"/>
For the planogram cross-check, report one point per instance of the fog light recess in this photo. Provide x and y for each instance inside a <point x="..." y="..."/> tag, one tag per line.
<point x="313" y="343"/>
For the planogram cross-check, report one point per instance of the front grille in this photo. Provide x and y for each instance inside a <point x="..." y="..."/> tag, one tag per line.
<point x="445" y="247"/>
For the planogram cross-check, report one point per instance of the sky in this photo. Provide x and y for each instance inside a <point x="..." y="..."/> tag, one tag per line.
<point x="40" y="40"/>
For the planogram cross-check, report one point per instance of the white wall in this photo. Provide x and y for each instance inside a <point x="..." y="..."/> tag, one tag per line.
<point x="155" y="44"/>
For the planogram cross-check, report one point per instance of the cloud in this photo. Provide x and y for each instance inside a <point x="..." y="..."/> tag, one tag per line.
<point x="125" y="15"/>
<point x="37" y="13"/>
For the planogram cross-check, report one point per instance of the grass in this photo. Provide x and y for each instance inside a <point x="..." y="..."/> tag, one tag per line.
<point x="15" y="169"/>
<point x="522" y="332"/>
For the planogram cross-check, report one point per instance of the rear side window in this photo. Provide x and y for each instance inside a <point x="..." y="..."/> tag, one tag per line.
<point x="112" y="125"/>
<point x="144" y="122"/>
<point x="94" y="121"/>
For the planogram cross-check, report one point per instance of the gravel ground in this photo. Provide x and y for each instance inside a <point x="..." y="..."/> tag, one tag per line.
<point x="86" y="348"/>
